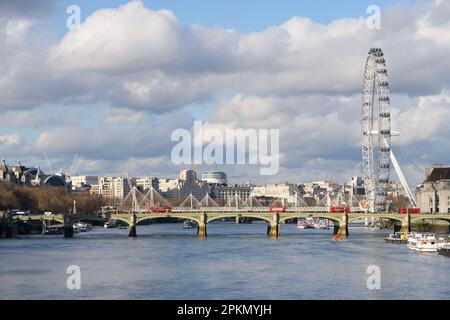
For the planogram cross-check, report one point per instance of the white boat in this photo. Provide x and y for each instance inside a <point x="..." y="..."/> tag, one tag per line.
<point x="305" y="224"/>
<point x="84" y="227"/>
<point x="76" y="229"/>
<point x="423" y="242"/>
<point x="398" y="237"/>
<point x="110" y="224"/>
<point x="188" y="224"/>
<point x="53" y="230"/>
<point x="444" y="248"/>
<point x="321" y="224"/>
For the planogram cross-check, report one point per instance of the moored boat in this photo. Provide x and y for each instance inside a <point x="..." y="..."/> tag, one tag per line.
<point x="82" y="226"/>
<point x="110" y="224"/>
<point x="321" y="224"/>
<point x="423" y="242"/>
<point x="188" y="224"/>
<point x="444" y="249"/>
<point x="76" y="229"/>
<point x="305" y="224"/>
<point x="51" y="231"/>
<point x="398" y="237"/>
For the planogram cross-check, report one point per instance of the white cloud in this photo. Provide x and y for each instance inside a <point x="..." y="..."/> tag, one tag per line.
<point x="300" y="76"/>
<point x="143" y="139"/>
<point x="122" y="116"/>
<point x="111" y="40"/>
<point x="156" y="63"/>
<point x="8" y="140"/>
<point x="427" y="120"/>
<point x="16" y="30"/>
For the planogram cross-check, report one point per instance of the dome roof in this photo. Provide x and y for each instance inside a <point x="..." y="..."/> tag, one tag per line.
<point x="31" y="171"/>
<point x="55" y="181"/>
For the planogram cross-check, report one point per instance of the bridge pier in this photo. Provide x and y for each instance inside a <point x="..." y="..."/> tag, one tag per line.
<point x="341" y="229"/>
<point x="201" y="230"/>
<point x="273" y="230"/>
<point x="132" y="227"/>
<point x="44" y="225"/>
<point x="406" y="221"/>
<point x="68" y="227"/>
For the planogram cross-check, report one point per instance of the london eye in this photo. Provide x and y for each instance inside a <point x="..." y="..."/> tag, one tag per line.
<point x="376" y="131"/>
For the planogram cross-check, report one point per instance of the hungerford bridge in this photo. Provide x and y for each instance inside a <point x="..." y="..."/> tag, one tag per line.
<point x="204" y="216"/>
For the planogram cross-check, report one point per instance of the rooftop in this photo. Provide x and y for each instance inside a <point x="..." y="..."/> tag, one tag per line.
<point x="438" y="174"/>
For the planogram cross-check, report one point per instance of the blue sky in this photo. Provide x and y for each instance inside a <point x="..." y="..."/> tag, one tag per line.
<point x="242" y="15"/>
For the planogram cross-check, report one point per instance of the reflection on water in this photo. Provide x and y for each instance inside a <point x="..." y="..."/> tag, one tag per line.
<point x="234" y="262"/>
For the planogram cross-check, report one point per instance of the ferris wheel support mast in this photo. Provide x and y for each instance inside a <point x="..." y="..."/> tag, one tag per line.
<point x="398" y="170"/>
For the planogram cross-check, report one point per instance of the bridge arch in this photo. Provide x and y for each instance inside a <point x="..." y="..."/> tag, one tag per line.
<point x="121" y="219"/>
<point x="335" y="220"/>
<point x="438" y="217"/>
<point x="252" y="216"/>
<point x="60" y="220"/>
<point x="155" y="217"/>
<point x="380" y="216"/>
<point x="87" y="218"/>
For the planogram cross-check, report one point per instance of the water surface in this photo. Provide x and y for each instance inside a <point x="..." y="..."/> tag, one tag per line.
<point x="234" y="262"/>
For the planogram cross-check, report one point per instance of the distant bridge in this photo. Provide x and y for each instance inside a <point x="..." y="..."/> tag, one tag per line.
<point x="204" y="216"/>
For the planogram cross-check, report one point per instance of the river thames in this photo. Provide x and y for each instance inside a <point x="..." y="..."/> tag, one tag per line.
<point x="234" y="262"/>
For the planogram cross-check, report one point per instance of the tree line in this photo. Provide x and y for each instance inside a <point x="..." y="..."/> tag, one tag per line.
<point x="47" y="199"/>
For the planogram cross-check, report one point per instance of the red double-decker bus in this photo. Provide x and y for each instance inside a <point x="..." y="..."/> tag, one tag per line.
<point x="163" y="209"/>
<point x="410" y="211"/>
<point x="343" y="210"/>
<point x="280" y="209"/>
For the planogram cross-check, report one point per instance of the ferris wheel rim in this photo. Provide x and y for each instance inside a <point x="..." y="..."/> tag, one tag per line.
<point x="376" y="169"/>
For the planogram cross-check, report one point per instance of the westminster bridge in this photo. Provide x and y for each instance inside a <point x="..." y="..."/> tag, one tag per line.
<point x="202" y="217"/>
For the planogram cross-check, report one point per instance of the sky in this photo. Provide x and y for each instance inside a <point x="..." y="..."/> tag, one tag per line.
<point x="114" y="89"/>
<point x="244" y="16"/>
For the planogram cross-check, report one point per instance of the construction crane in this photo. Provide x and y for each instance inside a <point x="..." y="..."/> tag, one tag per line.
<point x="48" y="163"/>
<point x="69" y="170"/>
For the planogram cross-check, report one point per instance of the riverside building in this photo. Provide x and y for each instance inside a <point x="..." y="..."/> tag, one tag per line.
<point x="433" y="195"/>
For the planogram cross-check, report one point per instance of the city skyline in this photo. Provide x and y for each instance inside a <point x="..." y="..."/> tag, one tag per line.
<point x="174" y="175"/>
<point x="140" y="98"/>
